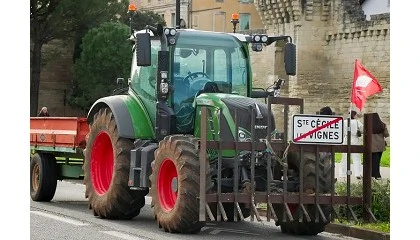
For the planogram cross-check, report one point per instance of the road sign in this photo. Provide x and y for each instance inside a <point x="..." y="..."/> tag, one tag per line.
<point x="324" y="129"/>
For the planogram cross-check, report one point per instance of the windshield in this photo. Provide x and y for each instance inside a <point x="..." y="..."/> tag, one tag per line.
<point x="200" y="58"/>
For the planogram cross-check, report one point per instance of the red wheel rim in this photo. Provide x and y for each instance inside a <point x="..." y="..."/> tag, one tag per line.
<point x="101" y="163"/>
<point x="167" y="185"/>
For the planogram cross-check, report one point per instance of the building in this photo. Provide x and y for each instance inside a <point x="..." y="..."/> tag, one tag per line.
<point x="166" y="9"/>
<point x="329" y="36"/>
<point x="210" y="15"/>
<point x="215" y="15"/>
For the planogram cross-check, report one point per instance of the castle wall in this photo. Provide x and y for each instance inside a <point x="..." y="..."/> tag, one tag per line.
<point x="329" y="36"/>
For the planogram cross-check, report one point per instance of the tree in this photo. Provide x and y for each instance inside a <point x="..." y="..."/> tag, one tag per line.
<point x="64" y="19"/>
<point x="106" y="55"/>
<point x="142" y="18"/>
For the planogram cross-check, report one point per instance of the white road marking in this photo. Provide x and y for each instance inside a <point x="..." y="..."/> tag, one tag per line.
<point x="122" y="235"/>
<point x="214" y="231"/>
<point x="61" y="219"/>
<point x="148" y="200"/>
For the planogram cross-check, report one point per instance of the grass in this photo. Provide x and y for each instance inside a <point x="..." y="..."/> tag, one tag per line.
<point x="383" y="227"/>
<point x="385" y="160"/>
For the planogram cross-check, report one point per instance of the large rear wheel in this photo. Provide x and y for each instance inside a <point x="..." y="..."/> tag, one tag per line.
<point x="106" y="168"/>
<point x="43" y="177"/>
<point x="175" y="184"/>
<point x="324" y="186"/>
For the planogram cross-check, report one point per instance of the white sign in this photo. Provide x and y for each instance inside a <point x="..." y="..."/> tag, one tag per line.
<point x="324" y="129"/>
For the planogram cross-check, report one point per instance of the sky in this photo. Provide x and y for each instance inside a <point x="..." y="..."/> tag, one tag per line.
<point x="14" y="100"/>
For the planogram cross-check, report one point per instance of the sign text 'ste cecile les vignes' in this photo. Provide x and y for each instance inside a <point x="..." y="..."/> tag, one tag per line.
<point x="323" y="129"/>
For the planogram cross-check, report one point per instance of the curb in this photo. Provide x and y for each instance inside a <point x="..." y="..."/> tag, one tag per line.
<point x="350" y="231"/>
<point x="356" y="232"/>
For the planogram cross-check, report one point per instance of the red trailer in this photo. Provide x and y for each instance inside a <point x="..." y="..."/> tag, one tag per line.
<point x="57" y="145"/>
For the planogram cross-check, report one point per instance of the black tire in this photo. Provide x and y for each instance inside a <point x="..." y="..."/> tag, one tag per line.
<point x="176" y="165"/>
<point x="43" y="177"/>
<point x="106" y="169"/>
<point x="309" y="175"/>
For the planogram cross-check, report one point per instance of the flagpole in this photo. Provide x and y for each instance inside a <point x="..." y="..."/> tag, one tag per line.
<point x="348" y="172"/>
<point x="364" y="85"/>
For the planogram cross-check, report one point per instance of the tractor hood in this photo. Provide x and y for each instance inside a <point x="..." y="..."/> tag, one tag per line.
<point x="229" y="104"/>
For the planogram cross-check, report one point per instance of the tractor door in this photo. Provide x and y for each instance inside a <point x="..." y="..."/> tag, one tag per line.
<point x="143" y="80"/>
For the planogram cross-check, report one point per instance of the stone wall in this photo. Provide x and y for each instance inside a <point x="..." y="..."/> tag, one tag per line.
<point x="330" y="35"/>
<point x="56" y="79"/>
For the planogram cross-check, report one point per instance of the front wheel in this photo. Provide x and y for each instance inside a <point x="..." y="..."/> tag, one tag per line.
<point x="106" y="168"/>
<point x="175" y="184"/>
<point x="309" y="178"/>
<point x="43" y="177"/>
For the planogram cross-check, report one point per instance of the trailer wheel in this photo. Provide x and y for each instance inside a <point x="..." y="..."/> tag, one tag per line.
<point x="175" y="184"/>
<point x="309" y="175"/>
<point x="43" y="177"/>
<point x="106" y="169"/>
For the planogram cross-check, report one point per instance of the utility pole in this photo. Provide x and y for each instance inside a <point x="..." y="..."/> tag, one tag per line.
<point x="177" y="13"/>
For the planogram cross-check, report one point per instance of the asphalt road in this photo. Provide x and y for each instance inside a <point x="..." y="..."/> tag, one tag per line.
<point x="68" y="217"/>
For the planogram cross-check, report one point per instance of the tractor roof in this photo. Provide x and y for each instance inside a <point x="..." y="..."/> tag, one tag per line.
<point x="239" y="36"/>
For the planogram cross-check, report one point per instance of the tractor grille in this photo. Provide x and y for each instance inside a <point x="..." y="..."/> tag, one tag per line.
<point x="244" y="108"/>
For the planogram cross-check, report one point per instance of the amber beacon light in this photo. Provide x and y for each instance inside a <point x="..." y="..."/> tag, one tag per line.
<point x="132" y="8"/>
<point x="234" y="21"/>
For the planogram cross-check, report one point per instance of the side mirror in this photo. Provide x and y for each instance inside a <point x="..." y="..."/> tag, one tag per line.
<point x="143" y="49"/>
<point x="290" y="59"/>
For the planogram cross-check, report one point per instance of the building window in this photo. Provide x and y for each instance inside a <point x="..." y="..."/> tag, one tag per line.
<point x="244" y="21"/>
<point x="195" y="21"/>
<point x="173" y="19"/>
<point x="219" y="21"/>
<point x="221" y="1"/>
<point x="246" y="1"/>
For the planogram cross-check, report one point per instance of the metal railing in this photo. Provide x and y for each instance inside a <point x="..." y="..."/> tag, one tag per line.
<point x="308" y="203"/>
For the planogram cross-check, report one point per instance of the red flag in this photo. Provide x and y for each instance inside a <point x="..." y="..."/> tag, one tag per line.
<point x="364" y="85"/>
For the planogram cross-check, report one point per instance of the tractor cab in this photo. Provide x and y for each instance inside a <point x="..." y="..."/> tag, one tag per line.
<point x="173" y="67"/>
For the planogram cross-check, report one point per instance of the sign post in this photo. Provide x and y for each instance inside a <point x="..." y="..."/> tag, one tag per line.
<point x="319" y="129"/>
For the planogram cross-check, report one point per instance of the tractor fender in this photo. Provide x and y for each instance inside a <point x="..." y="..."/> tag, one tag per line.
<point x="130" y="116"/>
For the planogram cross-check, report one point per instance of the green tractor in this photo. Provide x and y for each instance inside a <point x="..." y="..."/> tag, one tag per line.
<point x="148" y="138"/>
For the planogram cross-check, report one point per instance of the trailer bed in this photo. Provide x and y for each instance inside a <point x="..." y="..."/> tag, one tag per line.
<point x="58" y="134"/>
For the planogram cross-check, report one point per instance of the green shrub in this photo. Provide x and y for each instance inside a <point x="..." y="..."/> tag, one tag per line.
<point x="380" y="199"/>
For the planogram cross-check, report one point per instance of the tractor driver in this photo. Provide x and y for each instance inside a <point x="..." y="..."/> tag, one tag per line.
<point x="182" y="101"/>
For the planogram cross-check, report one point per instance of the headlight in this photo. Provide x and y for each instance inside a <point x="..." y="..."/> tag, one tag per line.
<point x="243" y="137"/>
<point x="164" y="88"/>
